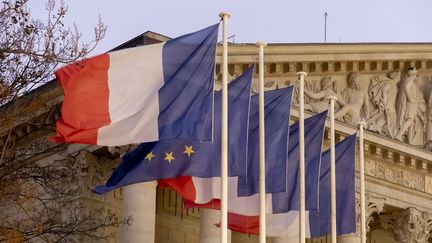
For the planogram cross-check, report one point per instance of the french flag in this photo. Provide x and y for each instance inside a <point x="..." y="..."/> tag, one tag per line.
<point x="184" y="157"/>
<point x="141" y="94"/>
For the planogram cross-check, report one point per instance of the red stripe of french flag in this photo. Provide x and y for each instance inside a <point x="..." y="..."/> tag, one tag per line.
<point x="80" y="103"/>
<point x="243" y="215"/>
<point x="243" y="212"/>
<point x="101" y="105"/>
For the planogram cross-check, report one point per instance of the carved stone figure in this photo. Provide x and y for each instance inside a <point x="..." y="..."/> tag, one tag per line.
<point x="416" y="136"/>
<point x="429" y="123"/>
<point x="407" y="107"/>
<point x="321" y="97"/>
<point x="355" y="101"/>
<point x="383" y="92"/>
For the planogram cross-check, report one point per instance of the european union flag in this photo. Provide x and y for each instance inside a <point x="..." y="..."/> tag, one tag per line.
<point x="185" y="157"/>
<point x="277" y="112"/>
<point x="319" y="220"/>
<point x="289" y="199"/>
<point x="238" y="114"/>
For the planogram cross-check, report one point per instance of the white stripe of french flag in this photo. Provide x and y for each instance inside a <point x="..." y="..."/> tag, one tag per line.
<point x="140" y="94"/>
<point x="243" y="212"/>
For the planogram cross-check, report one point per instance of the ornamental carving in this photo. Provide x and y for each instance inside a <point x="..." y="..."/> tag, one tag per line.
<point x="408" y="226"/>
<point x="374" y="206"/>
<point x="394" y="174"/>
<point x="87" y="170"/>
<point x="396" y="104"/>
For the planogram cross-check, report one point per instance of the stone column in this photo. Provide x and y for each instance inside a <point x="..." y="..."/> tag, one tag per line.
<point x="209" y="232"/>
<point x="409" y="225"/>
<point x="349" y="238"/>
<point x="285" y="239"/>
<point x="139" y="203"/>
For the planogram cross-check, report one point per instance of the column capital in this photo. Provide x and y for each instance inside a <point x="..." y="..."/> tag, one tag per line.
<point x="373" y="204"/>
<point x="408" y="226"/>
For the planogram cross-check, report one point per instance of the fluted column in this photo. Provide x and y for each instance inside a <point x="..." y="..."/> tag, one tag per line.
<point x="209" y="232"/>
<point x="349" y="238"/>
<point x="139" y="203"/>
<point x="408" y="226"/>
<point x="139" y="206"/>
<point x="285" y="239"/>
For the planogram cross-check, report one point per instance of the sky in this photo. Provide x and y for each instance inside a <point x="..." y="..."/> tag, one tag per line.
<point x="272" y="21"/>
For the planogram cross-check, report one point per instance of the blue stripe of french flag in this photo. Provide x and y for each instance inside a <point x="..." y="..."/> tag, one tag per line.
<point x="141" y="94"/>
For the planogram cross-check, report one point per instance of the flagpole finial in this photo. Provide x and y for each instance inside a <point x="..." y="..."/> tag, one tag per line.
<point x="224" y="13"/>
<point x="261" y="43"/>
<point x="332" y="98"/>
<point x="301" y="73"/>
<point x="361" y="123"/>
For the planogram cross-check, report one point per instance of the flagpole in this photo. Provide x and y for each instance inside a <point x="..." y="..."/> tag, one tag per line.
<point x="362" y="185"/>
<point x="224" y="149"/>
<point x="333" y="170"/>
<point x="302" y="226"/>
<point x="262" y="215"/>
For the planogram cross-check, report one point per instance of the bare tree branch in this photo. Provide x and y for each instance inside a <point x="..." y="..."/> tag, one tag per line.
<point x="34" y="201"/>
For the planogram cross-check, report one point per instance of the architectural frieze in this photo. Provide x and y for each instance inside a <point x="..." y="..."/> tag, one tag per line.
<point x="394" y="174"/>
<point x="396" y="189"/>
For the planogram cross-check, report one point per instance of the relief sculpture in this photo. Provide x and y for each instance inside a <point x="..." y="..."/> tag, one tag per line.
<point x="383" y="92"/>
<point x="354" y="103"/>
<point x="429" y="126"/>
<point x="411" y="110"/>
<point x="320" y="99"/>
<point x="397" y="105"/>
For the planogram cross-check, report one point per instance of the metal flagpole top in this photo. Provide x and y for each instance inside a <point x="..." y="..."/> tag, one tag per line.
<point x="224" y="13"/>
<point x="361" y="123"/>
<point x="301" y="74"/>
<point x="261" y="43"/>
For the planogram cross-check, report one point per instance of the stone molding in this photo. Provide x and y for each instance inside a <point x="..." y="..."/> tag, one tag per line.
<point x="395" y="174"/>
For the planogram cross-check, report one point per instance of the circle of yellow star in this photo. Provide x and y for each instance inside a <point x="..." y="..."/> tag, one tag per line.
<point x="150" y="156"/>
<point x="189" y="150"/>
<point x="169" y="157"/>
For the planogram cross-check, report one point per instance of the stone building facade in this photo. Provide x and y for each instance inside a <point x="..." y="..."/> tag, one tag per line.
<point x="387" y="85"/>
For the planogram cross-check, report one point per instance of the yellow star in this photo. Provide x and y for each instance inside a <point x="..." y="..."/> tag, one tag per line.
<point x="169" y="157"/>
<point x="189" y="150"/>
<point x="150" y="156"/>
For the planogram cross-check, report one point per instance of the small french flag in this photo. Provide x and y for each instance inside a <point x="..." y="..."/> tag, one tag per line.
<point x="141" y="94"/>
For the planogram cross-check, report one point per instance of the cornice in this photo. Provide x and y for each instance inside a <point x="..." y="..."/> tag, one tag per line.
<point x="313" y="49"/>
<point x="391" y="197"/>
